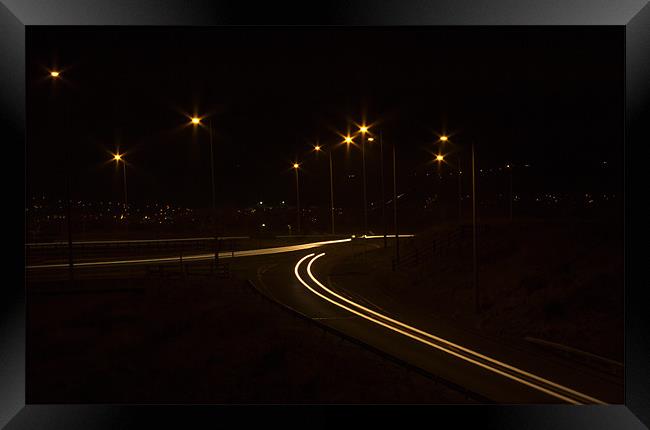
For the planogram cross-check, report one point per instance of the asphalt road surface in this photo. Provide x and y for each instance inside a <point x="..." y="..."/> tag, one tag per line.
<point x="502" y="373"/>
<point x="297" y="276"/>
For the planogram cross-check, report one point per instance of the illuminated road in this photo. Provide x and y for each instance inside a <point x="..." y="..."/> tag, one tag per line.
<point x="485" y="367"/>
<point x="191" y="257"/>
<point x="129" y="242"/>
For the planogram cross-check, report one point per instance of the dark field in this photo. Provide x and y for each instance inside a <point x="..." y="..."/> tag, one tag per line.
<point x="198" y="341"/>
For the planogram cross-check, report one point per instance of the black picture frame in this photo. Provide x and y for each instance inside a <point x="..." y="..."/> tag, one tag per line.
<point x="632" y="15"/>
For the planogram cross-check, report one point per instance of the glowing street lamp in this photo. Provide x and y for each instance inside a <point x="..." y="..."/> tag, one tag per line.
<point x="440" y="157"/>
<point x="54" y="74"/>
<point x="364" y="129"/>
<point x="117" y="157"/>
<point x="444" y="138"/>
<point x="296" y="167"/>
<point x="196" y="121"/>
<point x="318" y="148"/>
<point x="509" y="168"/>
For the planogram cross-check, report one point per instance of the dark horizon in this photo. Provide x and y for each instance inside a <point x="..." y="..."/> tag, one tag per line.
<point x="524" y="95"/>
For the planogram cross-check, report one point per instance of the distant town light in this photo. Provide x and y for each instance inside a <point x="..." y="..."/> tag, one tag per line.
<point x="196" y="120"/>
<point x="54" y="74"/>
<point x="443" y="138"/>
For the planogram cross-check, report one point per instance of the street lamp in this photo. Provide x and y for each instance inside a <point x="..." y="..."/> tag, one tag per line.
<point x="509" y="168"/>
<point x="55" y="75"/>
<point x="318" y="148"/>
<point x="196" y="121"/>
<point x="117" y="158"/>
<point x="444" y="138"/>
<point x="363" y="129"/>
<point x="296" y="166"/>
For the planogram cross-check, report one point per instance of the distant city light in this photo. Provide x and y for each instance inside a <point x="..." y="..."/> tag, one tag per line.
<point x="443" y="138"/>
<point x="196" y="120"/>
<point x="440" y="157"/>
<point x="54" y="74"/>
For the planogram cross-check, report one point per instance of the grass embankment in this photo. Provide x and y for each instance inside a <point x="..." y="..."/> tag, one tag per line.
<point x="559" y="281"/>
<point x="197" y="341"/>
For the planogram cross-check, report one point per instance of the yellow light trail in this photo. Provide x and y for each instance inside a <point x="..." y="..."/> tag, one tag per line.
<point x="196" y="257"/>
<point x="448" y="343"/>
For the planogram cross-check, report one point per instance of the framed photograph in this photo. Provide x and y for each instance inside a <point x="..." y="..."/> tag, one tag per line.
<point x="342" y="207"/>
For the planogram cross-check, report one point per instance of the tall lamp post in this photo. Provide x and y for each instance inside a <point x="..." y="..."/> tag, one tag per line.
<point x="56" y="75"/>
<point x="474" y="251"/>
<point x="440" y="158"/>
<point x="296" y="166"/>
<point x="443" y="139"/>
<point x="319" y="148"/>
<point x="509" y="168"/>
<point x="364" y="129"/>
<point x="395" y="209"/>
<point x="381" y="179"/>
<point x="196" y="121"/>
<point x="117" y="158"/>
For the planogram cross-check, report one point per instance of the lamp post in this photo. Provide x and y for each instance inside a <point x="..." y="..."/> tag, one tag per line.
<point x="395" y="209"/>
<point x="439" y="159"/>
<point x="196" y="121"/>
<point x="510" y="168"/>
<point x="475" y="279"/>
<point x="363" y="129"/>
<point x="474" y="251"/>
<point x="117" y="158"/>
<point x="443" y="139"/>
<point x="296" y="166"/>
<point x="381" y="176"/>
<point x="56" y="75"/>
<point x="319" y="148"/>
<point x="460" y="191"/>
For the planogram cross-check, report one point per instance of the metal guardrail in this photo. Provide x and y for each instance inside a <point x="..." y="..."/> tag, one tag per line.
<point x="612" y="366"/>
<point x="214" y="269"/>
<point x="55" y="250"/>
<point x="434" y="249"/>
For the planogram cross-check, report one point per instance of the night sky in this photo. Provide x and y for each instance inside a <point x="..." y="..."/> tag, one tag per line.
<point x="551" y="97"/>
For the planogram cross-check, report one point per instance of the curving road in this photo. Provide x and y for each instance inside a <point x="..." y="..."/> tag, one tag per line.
<point x="499" y="372"/>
